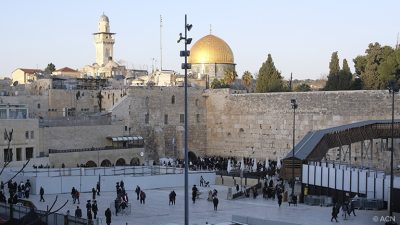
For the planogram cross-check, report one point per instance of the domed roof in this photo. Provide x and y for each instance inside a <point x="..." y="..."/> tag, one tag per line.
<point x="211" y="49"/>
<point x="104" y="18"/>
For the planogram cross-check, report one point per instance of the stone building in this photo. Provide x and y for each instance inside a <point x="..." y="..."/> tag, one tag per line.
<point x="104" y="66"/>
<point x="210" y="58"/>
<point x="25" y="76"/>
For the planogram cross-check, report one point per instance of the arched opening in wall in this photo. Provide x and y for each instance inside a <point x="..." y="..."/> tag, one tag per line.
<point x="105" y="163"/>
<point x="120" y="162"/>
<point x="90" y="163"/>
<point x="196" y="102"/>
<point x="135" y="162"/>
<point x="192" y="157"/>
<point x="173" y="99"/>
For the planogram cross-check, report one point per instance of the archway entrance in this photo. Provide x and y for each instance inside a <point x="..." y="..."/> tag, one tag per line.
<point x="135" y="162"/>
<point x="120" y="162"/>
<point x="192" y="157"/>
<point x="105" y="163"/>
<point x="91" y="164"/>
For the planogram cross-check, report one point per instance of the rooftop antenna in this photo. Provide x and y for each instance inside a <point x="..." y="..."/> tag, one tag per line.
<point x="160" y="43"/>
<point x="290" y="82"/>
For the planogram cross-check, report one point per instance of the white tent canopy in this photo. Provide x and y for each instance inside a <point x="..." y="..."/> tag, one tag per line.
<point x="229" y="166"/>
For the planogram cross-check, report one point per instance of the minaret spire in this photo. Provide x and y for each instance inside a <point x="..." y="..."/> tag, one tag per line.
<point x="210" y="29"/>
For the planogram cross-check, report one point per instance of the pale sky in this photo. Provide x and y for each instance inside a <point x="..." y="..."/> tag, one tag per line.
<point x="300" y="35"/>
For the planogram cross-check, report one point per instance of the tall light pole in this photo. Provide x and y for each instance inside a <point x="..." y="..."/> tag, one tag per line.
<point x="393" y="88"/>
<point x="186" y="66"/>
<point x="294" y="107"/>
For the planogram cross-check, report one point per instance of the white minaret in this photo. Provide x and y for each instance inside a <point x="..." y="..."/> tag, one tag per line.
<point x="104" y="41"/>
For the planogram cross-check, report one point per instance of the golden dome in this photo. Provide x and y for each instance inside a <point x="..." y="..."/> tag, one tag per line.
<point x="211" y="49"/>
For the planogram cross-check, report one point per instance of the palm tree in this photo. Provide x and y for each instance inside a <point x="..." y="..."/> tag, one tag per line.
<point x="247" y="79"/>
<point x="229" y="76"/>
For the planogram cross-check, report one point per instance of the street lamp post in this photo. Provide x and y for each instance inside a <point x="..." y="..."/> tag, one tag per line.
<point x="186" y="66"/>
<point x="294" y="107"/>
<point x="393" y="88"/>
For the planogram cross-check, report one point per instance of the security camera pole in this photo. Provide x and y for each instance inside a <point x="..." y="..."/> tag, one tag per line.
<point x="186" y="66"/>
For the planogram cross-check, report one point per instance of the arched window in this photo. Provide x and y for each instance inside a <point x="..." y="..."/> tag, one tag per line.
<point x="173" y="99"/>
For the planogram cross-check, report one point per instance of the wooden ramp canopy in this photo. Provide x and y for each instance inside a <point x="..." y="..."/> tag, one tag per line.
<point x="315" y="144"/>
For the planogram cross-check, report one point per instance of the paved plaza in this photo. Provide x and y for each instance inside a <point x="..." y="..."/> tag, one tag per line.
<point x="156" y="211"/>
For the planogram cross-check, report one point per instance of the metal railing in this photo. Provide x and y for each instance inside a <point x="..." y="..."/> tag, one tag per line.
<point x="20" y="211"/>
<point x="103" y="171"/>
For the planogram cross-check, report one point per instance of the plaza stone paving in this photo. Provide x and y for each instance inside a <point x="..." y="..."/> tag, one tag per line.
<point x="156" y="211"/>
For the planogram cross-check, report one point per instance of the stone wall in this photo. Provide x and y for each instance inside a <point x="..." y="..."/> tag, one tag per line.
<point x="75" y="137"/>
<point x="260" y="125"/>
<point x="166" y="138"/>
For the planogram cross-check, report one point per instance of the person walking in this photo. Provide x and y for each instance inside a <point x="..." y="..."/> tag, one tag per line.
<point x="215" y="202"/>
<point x="116" y="205"/>
<point x="41" y="192"/>
<point x="78" y="212"/>
<point x="137" y="190"/>
<point x="89" y="209"/>
<point x="334" y="213"/>
<point x="77" y="194"/>
<point x="142" y="197"/>
<point x="172" y="197"/>
<point x="73" y="194"/>
<point x="279" y="199"/>
<point x="94" y="209"/>
<point x="108" y="216"/>
<point x="93" y="193"/>
<point x="194" y="193"/>
<point x="352" y="208"/>
<point x="98" y="188"/>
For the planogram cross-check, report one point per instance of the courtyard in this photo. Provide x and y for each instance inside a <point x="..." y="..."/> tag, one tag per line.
<point x="156" y="210"/>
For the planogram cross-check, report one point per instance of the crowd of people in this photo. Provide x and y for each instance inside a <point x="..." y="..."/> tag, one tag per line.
<point x="16" y="191"/>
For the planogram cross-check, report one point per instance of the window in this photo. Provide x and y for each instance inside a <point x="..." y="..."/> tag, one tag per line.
<point x="38" y="105"/>
<point x="198" y="118"/>
<point x="166" y="119"/>
<point x="146" y="119"/>
<point x="173" y="99"/>
<point x="181" y="118"/>
<point x="19" y="158"/>
<point x="27" y="134"/>
<point x="126" y="128"/>
<point x="29" y="153"/>
<point x="32" y="136"/>
<point x="7" y="155"/>
<point x="196" y="102"/>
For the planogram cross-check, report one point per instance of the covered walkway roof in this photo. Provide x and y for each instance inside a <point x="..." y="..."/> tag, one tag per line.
<point x="316" y="144"/>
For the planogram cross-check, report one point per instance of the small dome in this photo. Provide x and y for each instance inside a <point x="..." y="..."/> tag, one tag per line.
<point x="211" y="49"/>
<point x="104" y="18"/>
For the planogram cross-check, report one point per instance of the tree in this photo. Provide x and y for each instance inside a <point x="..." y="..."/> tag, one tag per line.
<point x="269" y="78"/>
<point x="100" y="100"/>
<point x="338" y="79"/>
<point x="376" y="55"/>
<point x="247" y="79"/>
<point x="215" y="84"/>
<point x="303" y="87"/>
<point x="334" y="67"/>
<point x="229" y="76"/>
<point x="50" y="68"/>
<point x="390" y="68"/>
<point x="333" y="78"/>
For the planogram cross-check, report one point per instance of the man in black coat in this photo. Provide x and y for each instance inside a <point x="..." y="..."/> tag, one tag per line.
<point x="78" y="212"/>
<point x="137" y="190"/>
<point x="98" y="188"/>
<point x="172" y="197"/>
<point x="93" y="193"/>
<point x="41" y="192"/>
<point x="108" y="216"/>
<point x="215" y="202"/>
<point x="94" y="209"/>
<point x="89" y="209"/>
<point x="194" y="193"/>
